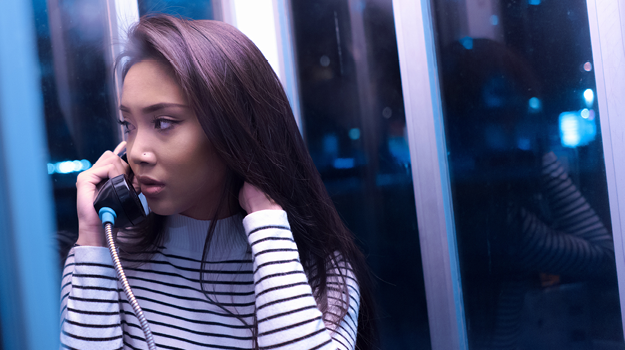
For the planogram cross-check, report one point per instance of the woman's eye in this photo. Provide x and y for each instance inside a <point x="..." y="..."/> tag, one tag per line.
<point x="127" y="126"/>
<point x="163" y="124"/>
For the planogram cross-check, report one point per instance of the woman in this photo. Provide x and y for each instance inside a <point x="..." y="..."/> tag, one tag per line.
<point x="211" y="137"/>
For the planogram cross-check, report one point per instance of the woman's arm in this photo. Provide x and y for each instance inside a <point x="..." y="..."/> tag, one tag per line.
<point x="90" y="309"/>
<point x="90" y="301"/>
<point x="288" y="316"/>
<point x="287" y="313"/>
<point x="577" y="243"/>
<point x="571" y="212"/>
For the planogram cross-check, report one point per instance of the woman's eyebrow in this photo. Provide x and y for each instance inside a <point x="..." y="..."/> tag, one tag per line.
<point x="154" y="108"/>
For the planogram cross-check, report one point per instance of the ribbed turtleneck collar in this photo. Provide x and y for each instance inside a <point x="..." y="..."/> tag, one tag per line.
<point x="187" y="236"/>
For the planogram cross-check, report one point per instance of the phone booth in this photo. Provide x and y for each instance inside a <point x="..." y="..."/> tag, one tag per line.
<point x="472" y="147"/>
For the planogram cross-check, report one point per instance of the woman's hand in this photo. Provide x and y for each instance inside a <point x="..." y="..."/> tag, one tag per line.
<point x="252" y="199"/>
<point x="90" y="231"/>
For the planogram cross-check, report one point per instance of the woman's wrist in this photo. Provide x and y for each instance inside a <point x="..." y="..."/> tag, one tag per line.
<point x="93" y="236"/>
<point x="264" y="206"/>
<point x="253" y="199"/>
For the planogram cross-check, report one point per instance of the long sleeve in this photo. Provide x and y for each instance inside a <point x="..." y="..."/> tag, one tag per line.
<point x="577" y="243"/>
<point x="90" y="301"/>
<point x="569" y="209"/>
<point x="288" y="315"/>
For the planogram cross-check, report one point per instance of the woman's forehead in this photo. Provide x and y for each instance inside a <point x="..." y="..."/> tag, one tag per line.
<point x="148" y="82"/>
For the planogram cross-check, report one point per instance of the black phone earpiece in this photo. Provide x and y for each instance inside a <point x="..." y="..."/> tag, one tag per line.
<point x="119" y="195"/>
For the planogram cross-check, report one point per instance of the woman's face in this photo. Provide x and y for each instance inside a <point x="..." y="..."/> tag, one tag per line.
<point x="178" y="169"/>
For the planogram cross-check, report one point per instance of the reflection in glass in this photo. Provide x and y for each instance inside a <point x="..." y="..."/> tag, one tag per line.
<point x="78" y="100"/>
<point x="527" y="174"/>
<point x="355" y="128"/>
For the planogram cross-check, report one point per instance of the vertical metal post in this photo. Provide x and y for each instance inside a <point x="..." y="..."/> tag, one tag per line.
<point x="29" y="283"/>
<point x="256" y="17"/>
<point x="120" y="16"/>
<point x="286" y="50"/>
<point x="424" y="119"/>
<point x="607" y="35"/>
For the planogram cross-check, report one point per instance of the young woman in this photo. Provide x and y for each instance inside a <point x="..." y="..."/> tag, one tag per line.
<point x="242" y="248"/>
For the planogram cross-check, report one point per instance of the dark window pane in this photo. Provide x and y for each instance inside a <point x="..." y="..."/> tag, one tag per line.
<point x="355" y="128"/>
<point x="78" y="100"/>
<point x="527" y="175"/>
<point x="192" y="9"/>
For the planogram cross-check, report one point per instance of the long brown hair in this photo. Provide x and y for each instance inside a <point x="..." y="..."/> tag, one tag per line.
<point x="242" y="108"/>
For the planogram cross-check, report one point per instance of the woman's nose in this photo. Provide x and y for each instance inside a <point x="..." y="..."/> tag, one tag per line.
<point x="139" y="151"/>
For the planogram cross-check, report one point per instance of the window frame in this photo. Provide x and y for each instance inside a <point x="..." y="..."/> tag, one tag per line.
<point x="607" y="35"/>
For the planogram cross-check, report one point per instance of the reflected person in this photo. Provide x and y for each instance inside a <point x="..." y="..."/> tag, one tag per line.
<point x="518" y="213"/>
<point x="243" y="248"/>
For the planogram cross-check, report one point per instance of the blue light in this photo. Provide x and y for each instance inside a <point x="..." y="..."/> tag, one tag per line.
<point x="589" y="97"/>
<point x="533" y="2"/>
<point x="344" y="163"/>
<point x="585" y="113"/>
<point x="85" y="164"/>
<point x="494" y="20"/>
<point x="68" y="166"/>
<point x="534" y="103"/>
<point x="398" y="147"/>
<point x="354" y="134"/>
<point x="64" y="167"/>
<point x="577" y="128"/>
<point x="467" y="42"/>
<point x="77" y="165"/>
<point x="330" y="145"/>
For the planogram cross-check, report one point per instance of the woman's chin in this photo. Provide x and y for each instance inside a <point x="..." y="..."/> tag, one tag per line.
<point x="160" y="209"/>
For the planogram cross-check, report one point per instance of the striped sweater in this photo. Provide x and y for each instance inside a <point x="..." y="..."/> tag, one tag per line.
<point x="253" y="269"/>
<point x="576" y="244"/>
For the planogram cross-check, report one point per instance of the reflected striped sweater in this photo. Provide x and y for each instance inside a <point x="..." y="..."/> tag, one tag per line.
<point x="253" y="269"/>
<point x="576" y="244"/>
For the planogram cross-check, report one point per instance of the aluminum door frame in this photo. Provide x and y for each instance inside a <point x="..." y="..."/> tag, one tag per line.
<point x="607" y="35"/>
<point x="430" y="171"/>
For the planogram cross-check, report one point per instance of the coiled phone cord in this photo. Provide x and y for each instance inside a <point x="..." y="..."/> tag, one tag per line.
<point x="108" y="229"/>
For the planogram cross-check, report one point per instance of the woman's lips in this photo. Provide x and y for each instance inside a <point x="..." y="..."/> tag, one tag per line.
<point x="150" y="186"/>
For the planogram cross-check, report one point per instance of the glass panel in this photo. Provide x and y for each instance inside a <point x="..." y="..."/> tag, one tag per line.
<point x="527" y="174"/>
<point x="77" y="96"/>
<point x="355" y="127"/>
<point x="193" y="9"/>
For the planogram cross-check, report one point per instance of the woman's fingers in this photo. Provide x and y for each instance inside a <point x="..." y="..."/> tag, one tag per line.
<point x="111" y="158"/>
<point x="108" y="166"/>
<point x="119" y="147"/>
<point x="252" y="199"/>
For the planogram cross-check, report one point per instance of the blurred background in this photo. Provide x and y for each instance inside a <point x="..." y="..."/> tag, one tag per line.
<point x="517" y="82"/>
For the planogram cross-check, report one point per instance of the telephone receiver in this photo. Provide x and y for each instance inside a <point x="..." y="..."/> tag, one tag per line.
<point x="119" y="195"/>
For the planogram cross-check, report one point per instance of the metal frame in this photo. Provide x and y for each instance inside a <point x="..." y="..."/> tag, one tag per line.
<point x="121" y="15"/>
<point x="424" y="119"/>
<point x="607" y="34"/>
<point x="29" y="283"/>
<point x="280" y="24"/>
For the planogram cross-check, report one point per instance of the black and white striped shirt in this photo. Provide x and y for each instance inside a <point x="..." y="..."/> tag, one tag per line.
<point x="253" y="268"/>
<point x="576" y="244"/>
